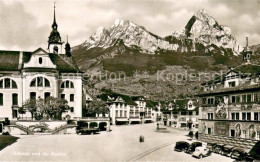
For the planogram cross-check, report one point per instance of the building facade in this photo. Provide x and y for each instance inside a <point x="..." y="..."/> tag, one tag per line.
<point x="40" y="74"/>
<point x="127" y="109"/>
<point x="182" y="114"/>
<point x="230" y="104"/>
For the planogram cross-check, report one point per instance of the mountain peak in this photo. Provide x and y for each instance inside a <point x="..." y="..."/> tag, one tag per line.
<point x="119" y="22"/>
<point x="206" y="30"/>
<point x="131" y="34"/>
<point x="126" y="23"/>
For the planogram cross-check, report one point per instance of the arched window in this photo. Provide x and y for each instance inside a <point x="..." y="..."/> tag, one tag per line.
<point x="40" y="82"/>
<point x="67" y="84"/>
<point x="8" y="83"/>
<point x="40" y="60"/>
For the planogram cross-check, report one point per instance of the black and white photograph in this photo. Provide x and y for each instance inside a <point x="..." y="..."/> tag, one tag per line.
<point x="130" y="80"/>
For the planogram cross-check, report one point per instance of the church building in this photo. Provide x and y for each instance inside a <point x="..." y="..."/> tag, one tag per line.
<point x="40" y="74"/>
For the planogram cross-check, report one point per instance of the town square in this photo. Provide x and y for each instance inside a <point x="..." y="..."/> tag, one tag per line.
<point x="101" y="147"/>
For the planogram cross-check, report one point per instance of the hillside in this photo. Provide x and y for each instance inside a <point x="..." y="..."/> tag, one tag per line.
<point x="126" y="50"/>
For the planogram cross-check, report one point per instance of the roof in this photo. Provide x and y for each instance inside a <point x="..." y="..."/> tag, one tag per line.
<point x="248" y="68"/>
<point x="241" y="88"/>
<point x="182" y="104"/>
<point x="9" y="61"/>
<point x="112" y="96"/>
<point x="243" y="70"/>
<point x="137" y="98"/>
<point x="150" y="103"/>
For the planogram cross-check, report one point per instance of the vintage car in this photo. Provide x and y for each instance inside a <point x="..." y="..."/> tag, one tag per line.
<point x="219" y="148"/>
<point x="181" y="146"/>
<point x="227" y="150"/>
<point x="254" y="153"/>
<point x="201" y="152"/>
<point x="193" y="146"/>
<point x="211" y="146"/>
<point x="86" y="130"/>
<point x="238" y="154"/>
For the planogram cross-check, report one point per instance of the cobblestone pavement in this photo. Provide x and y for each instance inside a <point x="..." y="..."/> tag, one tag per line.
<point x="121" y="144"/>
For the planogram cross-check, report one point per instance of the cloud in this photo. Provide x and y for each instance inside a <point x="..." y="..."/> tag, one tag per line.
<point x="19" y="28"/>
<point x="26" y="24"/>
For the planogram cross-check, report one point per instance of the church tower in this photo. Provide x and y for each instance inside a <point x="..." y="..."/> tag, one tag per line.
<point x="246" y="53"/>
<point x="54" y="42"/>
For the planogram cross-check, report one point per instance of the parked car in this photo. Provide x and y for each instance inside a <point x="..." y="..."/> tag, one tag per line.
<point x="181" y="146"/>
<point x="227" y="150"/>
<point x="219" y="148"/>
<point x="85" y="130"/>
<point x="254" y="153"/>
<point x="211" y="146"/>
<point x="238" y="154"/>
<point x="193" y="146"/>
<point x="201" y="152"/>
<point x="249" y="158"/>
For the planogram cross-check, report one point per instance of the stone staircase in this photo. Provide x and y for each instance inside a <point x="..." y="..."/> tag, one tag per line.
<point x="244" y="143"/>
<point x="24" y="128"/>
<point x="62" y="127"/>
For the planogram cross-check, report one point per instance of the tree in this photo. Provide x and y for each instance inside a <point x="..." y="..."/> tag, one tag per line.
<point x="30" y="105"/>
<point x="55" y="106"/>
<point x="21" y="111"/>
<point x="40" y="109"/>
<point x="97" y="107"/>
<point x="49" y="108"/>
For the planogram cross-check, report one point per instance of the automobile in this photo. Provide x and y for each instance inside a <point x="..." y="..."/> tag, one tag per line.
<point x="211" y="146"/>
<point x="249" y="158"/>
<point x="201" y="152"/>
<point x="193" y="146"/>
<point x="254" y="153"/>
<point x="227" y="150"/>
<point x="219" y="148"/>
<point x="86" y="130"/>
<point x="238" y="154"/>
<point x="181" y="146"/>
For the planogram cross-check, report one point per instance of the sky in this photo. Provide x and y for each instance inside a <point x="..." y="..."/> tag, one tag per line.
<point x="26" y="24"/>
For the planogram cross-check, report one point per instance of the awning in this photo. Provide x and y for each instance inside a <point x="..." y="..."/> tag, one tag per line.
<point x="122" y="119"/>
<point x="135" y="119"/>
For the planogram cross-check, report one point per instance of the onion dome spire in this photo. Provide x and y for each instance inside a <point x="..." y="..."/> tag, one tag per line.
<point x="67" y="48"/>
<point x="54" y="37"/>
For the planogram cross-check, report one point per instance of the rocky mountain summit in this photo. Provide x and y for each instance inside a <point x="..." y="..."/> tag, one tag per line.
<point x="205" y="29"/>
<point x="201" y="28"/>
<point x="131" y="35"/>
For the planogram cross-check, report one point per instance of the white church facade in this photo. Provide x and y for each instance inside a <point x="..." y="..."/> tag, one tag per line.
<point x="40" y="74"/>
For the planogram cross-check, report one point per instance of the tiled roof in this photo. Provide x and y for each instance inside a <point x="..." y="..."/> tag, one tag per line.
<point x="9" y="61"/>
<point x="114" y="96"/>
<point x="150" y="103"/>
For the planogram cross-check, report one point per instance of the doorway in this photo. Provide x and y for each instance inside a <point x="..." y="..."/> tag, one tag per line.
<point x="232" y="133"/>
